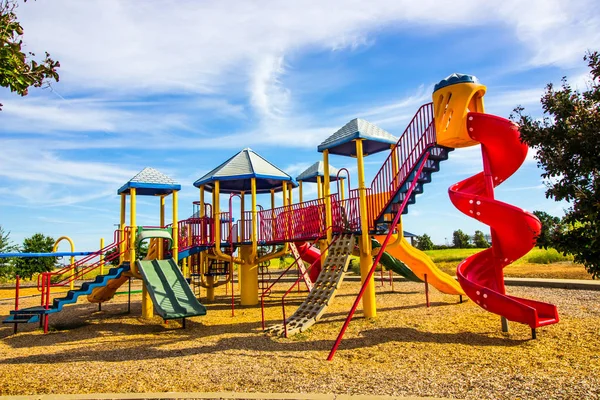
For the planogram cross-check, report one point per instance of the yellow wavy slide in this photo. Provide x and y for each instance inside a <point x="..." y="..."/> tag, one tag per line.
<point x="420" y="264"/>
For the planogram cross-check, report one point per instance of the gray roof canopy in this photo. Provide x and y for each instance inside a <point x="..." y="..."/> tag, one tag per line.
<point x="342" y="141"/>
<point x="236" y="173"/>
<point x="317" y="169"/>
<point x="150" y="182"/>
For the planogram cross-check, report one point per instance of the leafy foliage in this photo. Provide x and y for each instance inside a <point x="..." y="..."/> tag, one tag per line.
<point x="460" y="240"/>
<point x="38" y="243"/>
<point x="17" y="71"/>
<point x="567" y="141"/>
<point x="424" y="242"/>
<point x="7" y="265"/>
<point x="480" y="241"/>
<point x="114" y="262"/>
<point x="550" y="225"/>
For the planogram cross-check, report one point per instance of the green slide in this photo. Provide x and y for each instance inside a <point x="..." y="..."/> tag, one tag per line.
<point x="392" y="263"/>
<point x="172" y="296"/>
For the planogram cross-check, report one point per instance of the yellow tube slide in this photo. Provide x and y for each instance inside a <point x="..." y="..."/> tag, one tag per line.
<point x="421" y="264"/>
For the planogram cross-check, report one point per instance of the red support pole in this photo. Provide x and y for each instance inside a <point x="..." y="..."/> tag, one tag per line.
<point x="377" y="259"/>
<point x="426" y="291"/>
<point x="47" y="305"/>
<point x="17" y="284"/>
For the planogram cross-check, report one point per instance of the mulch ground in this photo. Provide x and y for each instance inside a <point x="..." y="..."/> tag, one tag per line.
<point x="449" y="350"/>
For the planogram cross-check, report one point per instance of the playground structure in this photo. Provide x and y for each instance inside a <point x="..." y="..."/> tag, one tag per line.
<point x="365" y="221"/>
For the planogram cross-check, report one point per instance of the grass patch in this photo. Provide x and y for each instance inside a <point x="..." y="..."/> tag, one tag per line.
<point x="550" y="256"/>
<point x="451" y="255"/>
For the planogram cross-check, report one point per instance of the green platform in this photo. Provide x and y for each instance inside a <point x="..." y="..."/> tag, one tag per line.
<point x="172" y="296"/>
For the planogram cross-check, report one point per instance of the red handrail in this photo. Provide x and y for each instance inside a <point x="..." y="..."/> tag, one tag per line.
<point x="81" y="262"/>
<point x="416" y="140"/>
<point x="377" y="259"/>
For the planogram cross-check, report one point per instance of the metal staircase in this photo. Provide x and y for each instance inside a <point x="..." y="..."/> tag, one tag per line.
<point x="390" y="185"/>
<point x="33" y="314"/>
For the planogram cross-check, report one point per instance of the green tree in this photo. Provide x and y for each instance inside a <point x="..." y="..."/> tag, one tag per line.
<point x="567" y="141"/>
<point x="424" y="242"/>
<point x="38" y="243"/>
<point x="7" y="265"/>
<point x="115" y="261"/>
<point x="460" y="240"/>
<point x="480" y="241"/>
<point x="18" y="71"/>
<point x="550" y="225"/>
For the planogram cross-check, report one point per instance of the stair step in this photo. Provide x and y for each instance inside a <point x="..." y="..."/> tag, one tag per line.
<point x="32" y="310"/>
<point x="21" y="319"/>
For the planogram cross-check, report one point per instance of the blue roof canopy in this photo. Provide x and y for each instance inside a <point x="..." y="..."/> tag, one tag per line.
<point x="317" y="169"/>
<point x="150" y="182"/>
<point x="236" y="173"/>
<point x="374" y="138"/>
<point x="455" y="78"/>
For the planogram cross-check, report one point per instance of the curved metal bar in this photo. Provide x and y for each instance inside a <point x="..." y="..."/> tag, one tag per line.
<point x="337" y="181"/>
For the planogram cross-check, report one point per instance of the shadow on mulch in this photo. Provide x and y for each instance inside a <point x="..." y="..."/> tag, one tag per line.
<point x="149" y="351"/>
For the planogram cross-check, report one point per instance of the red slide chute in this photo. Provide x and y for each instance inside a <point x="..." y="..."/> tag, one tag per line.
<point x="513" y="229"/>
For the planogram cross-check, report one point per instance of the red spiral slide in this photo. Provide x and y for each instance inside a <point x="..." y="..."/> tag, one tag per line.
<point x="513" y="229"/>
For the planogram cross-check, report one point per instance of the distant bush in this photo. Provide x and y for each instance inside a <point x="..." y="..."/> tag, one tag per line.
<point x="547" y="257"/>
<point x="424" y="242"/>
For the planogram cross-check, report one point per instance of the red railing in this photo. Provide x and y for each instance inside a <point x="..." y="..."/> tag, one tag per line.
<point x="201" y="231"/>
<point x="418" y="137"/>
<point x="345" y="214"/>
<point x="85" y="264"/>
<point x="296" y="222"/>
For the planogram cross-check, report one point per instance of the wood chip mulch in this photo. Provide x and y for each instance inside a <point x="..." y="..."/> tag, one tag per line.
<point x="448" y="350"/>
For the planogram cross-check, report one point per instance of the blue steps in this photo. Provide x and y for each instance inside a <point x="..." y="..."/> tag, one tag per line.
<point x="437" y="154"/>
<point x="32" y="314"/>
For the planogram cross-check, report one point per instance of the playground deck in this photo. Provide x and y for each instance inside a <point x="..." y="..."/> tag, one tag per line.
<point x="448" y="350"/>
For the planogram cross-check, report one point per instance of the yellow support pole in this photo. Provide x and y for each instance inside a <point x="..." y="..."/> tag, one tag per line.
<point x="254" y="218"/>
<point x="176" y="230"/>
<point x="273" y="212"/>
<point x="366" y="257"/>
<point x="202" y="206"/>
<point x="300" y="191"/>
<point x="132" y="227"/>
<point x="101" y="256"/>
<point x="122" y="245"/>
<point x="216" y="214"/>
<point x="242" y="216"/>
<point x="162" y="224"/>
<point x="283" y="192"/>
<point x="342" y="188"/>
<point x="249" y="268"/>
<point x="327" y="194"/>
<point x="319" y="188"/>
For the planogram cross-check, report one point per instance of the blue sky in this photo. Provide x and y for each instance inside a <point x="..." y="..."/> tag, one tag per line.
<point x="182" y="85"/>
